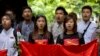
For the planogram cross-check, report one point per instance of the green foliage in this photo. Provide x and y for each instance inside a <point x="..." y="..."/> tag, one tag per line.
<point x="47" y="7"/>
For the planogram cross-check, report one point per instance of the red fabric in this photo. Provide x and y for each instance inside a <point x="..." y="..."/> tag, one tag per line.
<point x="44" y="41"/>
<point x="71" y="42"/>
<point x="3" y="53"/>
<point x="57" y="50"/>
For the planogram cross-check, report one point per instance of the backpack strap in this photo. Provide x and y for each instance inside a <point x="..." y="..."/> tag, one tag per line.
<point x="20" y="26"/>
<point x="15" y="35"/>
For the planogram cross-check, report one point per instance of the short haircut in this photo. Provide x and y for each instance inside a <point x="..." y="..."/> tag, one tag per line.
<point x="12" y="22"/>
<point x="87" y="7"/>
<point x="26" y="7"/>
<point x="10" y="10"/>
<point x="63" y="9"/>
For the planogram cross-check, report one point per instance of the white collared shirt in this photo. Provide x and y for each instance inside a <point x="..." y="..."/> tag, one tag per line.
<point x="90" y="33"/>
<point x="7" y="41"/>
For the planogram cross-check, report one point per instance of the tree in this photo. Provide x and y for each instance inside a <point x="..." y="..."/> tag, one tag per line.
<point x="47" y="7"/>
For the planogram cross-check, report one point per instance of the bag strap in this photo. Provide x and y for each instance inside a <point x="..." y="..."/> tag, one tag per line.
<point x="82" y="39"/>
<point x="86" y="29"/>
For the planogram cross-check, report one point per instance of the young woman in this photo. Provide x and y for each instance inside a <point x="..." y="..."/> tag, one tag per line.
<point x="70" y="30"/>
<point x="40" y="31"/>
<point x="7" y="38"/>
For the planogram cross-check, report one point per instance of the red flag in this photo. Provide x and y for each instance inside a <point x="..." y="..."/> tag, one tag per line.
<point x="3" y="53"/>
<point x="90" y="49"/>
<point x="56" y="50"/>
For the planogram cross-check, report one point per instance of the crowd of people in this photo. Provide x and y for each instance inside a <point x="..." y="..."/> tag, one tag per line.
<point x="65" y="27"/>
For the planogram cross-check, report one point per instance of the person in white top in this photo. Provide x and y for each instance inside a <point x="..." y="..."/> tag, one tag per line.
<point x="7" y="38"/>
<point x="57" y="27"/>
<point x="89" y="34"/>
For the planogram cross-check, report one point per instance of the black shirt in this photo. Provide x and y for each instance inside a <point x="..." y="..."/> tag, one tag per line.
<point x="67" y="36"/>
<point x="40" y="37"/>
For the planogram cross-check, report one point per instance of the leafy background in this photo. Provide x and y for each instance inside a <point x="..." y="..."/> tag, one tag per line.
<point x="47" y="7"/>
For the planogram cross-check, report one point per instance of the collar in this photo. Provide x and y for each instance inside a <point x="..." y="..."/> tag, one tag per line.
<point x="86" y="22"/>
<point x="8" y="31"/>
<point x="58" y="25"/>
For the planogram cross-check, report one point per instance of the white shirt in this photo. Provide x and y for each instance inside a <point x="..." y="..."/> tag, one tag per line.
<point x="56" y="30"/>
<point x="7" y="41"/>
<point x="90" y="33"/>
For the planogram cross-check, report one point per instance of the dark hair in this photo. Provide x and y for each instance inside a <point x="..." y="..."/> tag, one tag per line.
<point x="67" y="18"/>
<point x="12" y="22"/>
<point x="63" y="9"/>
<point x="74" y="15"/>
<point x="35" y="26"/>
<point x="45" y="30"/>
<point x="87" y="7"/>
<point x="10" y="10"/>
<point x="26" y="7"/>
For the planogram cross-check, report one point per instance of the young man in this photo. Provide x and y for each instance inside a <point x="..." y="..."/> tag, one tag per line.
<point x="57" y="27"/>
<point x="13" y="16"/>
<point x="86" y="27"/>
<point x="26" y="26"/>
<point x="7" y="37"/>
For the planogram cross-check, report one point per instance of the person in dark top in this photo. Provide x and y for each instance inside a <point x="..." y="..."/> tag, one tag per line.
<point x="70" y="29"/>
<point x="27" y="25"/>
<point x="40" y="31"/>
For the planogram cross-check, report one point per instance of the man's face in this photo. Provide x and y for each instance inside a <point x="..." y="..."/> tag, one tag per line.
<point x="59" y="16"/>
<point x="6" y="22"/>
<point x="86" y="14"/>
<point x="27" y="14"/>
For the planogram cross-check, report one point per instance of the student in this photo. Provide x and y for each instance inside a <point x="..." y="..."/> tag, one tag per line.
<point x="86" y="27"/>
<point x="13" y="16"/>
<point x="40" y="31"/>
<point x="70" y="30"/>
<point x="57" y="27"/>
<point x="7" y="37"/>
<point x="26" y="26"/>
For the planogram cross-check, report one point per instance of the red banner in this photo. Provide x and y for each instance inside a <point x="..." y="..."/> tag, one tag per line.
<point x="3" y="53"/>
<point x="28" y="49"/>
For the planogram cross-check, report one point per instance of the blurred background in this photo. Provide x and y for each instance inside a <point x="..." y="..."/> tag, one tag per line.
<point x="47" y="7"/>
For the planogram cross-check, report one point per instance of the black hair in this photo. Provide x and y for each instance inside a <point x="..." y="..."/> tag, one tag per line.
<point x="87" y="7"/>
<point x="45" y="29"/>
<point x="12" y="21"/>
<point x="35" y="26"/>
<point x="63" y="9"/>
<point x="26" y="7"/>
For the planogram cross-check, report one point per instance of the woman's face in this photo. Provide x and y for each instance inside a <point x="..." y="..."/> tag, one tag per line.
<point x="6" y="22"/>
<point x="41" y="23"/>
<point x="69" y="24"/>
